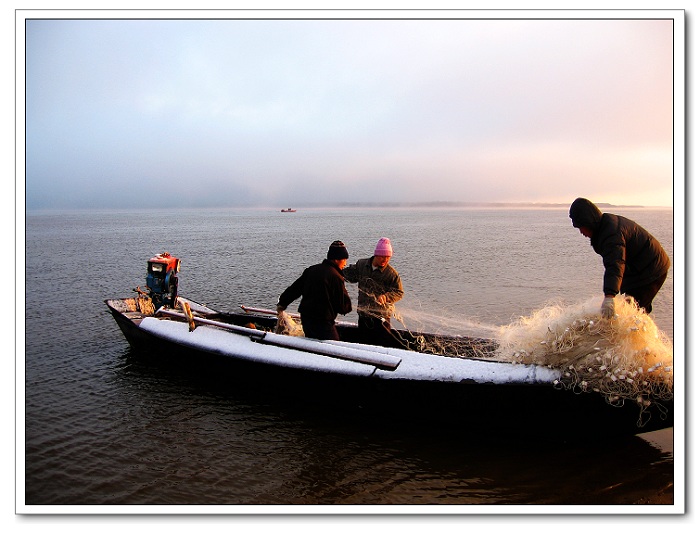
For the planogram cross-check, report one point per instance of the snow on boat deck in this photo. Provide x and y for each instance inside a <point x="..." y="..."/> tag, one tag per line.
<point x="412" y="366"/>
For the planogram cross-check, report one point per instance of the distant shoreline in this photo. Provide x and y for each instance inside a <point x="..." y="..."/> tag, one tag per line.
<point x="470" y="204"/>
<point x="353" y="205"/>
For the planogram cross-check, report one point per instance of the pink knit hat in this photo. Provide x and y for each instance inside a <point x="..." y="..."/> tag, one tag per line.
<point x="384" y="248"/>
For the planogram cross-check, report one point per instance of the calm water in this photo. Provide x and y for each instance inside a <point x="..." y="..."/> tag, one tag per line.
<point x="107" y="426"/>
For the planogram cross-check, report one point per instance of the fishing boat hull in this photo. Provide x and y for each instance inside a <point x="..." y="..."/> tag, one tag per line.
<point x="396" y="385"/>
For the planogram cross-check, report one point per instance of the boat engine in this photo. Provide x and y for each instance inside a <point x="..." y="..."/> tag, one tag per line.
<point x="162" y="279"/>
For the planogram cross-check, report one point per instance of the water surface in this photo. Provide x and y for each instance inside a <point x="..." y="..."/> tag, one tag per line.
<point x="107" y="426"/>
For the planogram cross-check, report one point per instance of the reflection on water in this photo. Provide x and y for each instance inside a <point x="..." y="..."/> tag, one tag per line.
<point x="195" y="440"/>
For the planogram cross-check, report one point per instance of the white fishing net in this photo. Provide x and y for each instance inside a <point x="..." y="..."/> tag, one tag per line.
<point x="287" y="325"/>
<point x="626" y="358"/>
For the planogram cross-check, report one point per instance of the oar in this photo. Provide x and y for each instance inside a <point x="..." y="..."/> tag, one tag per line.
<point x="231" y="327"/>
<point x="378" y="359"/>
<point x="266" y="311"/>
<point x="293" y="315"/>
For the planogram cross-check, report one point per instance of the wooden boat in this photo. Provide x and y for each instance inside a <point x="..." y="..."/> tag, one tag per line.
<point x="457" y="384"/>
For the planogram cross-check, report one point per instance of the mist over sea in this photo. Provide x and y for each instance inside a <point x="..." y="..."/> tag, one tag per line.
<point x="106" y="426"/>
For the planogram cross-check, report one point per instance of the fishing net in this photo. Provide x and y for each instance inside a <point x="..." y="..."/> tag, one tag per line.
<point x="141" y="304"/>
<point x="429" y="333"/>
<point x="286" y="325"/>
<point x="626" y="358"/>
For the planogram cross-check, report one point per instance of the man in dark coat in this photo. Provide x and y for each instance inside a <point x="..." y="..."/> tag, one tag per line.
<point x="635" y="263"/>
<point x="323" y="294"/>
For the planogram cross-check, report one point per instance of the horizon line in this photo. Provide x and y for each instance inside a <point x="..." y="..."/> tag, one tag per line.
<point x="358" y="204"/>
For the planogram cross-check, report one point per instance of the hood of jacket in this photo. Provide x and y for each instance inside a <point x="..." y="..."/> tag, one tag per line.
<point x="585" y="214"/>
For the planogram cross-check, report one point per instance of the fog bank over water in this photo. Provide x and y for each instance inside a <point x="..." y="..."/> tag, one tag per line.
<point x="207" y="112"/>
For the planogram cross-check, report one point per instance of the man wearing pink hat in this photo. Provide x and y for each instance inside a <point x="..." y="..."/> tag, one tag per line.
<point x="379" y="288"/>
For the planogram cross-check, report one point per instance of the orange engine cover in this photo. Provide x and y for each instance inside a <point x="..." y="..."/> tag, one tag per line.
<point x="170" y="262"/>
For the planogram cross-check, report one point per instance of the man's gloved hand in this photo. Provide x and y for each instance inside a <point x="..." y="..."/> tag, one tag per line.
<point x="607" y="309"/>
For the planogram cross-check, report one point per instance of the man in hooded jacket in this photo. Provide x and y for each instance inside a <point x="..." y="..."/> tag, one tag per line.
<point x="635" y="263"/>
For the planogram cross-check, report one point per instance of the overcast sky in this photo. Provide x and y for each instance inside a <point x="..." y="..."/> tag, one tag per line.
<point x="142" y="113"/>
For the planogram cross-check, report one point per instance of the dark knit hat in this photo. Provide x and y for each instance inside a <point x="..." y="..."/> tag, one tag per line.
<point x="337" y="250"/>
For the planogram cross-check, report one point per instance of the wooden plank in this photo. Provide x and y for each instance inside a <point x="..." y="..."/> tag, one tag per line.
<point x="378" y="359"/>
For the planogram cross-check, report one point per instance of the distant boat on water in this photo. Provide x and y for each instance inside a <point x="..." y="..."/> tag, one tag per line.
<point x="288" y="210"/>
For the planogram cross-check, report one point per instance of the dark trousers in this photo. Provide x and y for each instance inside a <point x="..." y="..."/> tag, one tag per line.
<point x="644" y="295"/>
<point x="319" y="329"/>
<point x="378" y="332"/>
